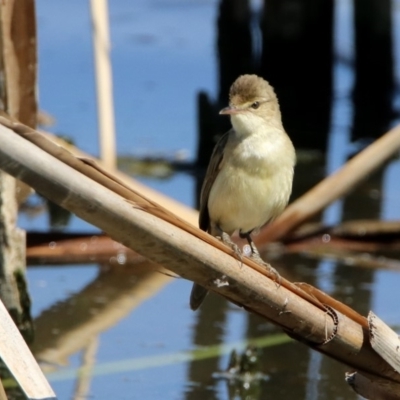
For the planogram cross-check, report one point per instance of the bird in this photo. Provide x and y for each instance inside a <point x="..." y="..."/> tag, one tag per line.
<point x="249" y="178"/>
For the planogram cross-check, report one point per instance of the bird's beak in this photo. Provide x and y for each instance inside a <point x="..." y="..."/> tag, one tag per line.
<point x="229" y="110"/>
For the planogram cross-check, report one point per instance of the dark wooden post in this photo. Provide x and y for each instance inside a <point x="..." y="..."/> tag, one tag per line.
<point x="374" y="81"/>
<point x="297" y="60"/>
<point x="234" y="44"/>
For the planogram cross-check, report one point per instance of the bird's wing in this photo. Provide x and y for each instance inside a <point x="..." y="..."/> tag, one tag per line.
<point x="212" y="171"/>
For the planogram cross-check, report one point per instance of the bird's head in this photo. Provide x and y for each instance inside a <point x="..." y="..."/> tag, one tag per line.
<point x="252" y="101"/>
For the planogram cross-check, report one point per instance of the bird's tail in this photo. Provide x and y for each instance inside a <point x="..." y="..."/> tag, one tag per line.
<point x="197" y="296"/>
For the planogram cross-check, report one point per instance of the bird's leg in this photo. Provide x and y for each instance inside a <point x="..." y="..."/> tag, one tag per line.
<point x="254" y="251"/>
<point x="226" y="239"/>
<point x="255" y="255"/>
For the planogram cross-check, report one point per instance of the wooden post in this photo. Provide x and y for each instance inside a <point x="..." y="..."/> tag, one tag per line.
<point x="18" y="66"/>
<point x="234" y="44"/>
<point x="374" y="80"/>
<point x="297" y="60"/>
<point x="12" y="258"/>
<point x="17" y="98"/>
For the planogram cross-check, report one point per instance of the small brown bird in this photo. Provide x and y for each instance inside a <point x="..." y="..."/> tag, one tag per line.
<point x="249" y="178"/>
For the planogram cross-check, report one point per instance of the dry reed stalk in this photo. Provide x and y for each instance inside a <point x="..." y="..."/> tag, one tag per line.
<point x="304" y="313"/>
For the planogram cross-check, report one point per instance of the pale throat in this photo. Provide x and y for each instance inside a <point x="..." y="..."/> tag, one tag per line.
<point x="247" y="124"/>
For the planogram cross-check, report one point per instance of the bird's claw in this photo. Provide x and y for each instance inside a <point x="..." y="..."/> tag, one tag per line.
<point x="255" y="256"/>
<point x="226" y="239"/>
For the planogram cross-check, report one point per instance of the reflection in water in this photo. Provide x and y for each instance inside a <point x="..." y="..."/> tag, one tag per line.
<point x="243" y="374"/>
<point x="209" y="329"/>
<point x="82" y="385"/>
<point x="69" y="326"/>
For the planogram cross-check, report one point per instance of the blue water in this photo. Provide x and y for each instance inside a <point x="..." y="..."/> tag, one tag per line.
<point x="163" y="54"/>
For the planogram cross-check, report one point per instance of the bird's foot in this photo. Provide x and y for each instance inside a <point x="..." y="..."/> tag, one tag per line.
<point x="255" y="256"/>
<point x="226" y="239"/>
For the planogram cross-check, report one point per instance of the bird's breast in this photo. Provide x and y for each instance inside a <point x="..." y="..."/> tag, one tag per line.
<point x="252" y="187"/>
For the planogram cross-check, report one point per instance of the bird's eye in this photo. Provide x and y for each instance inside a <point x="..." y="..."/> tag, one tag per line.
<point x="255" y="105"/>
